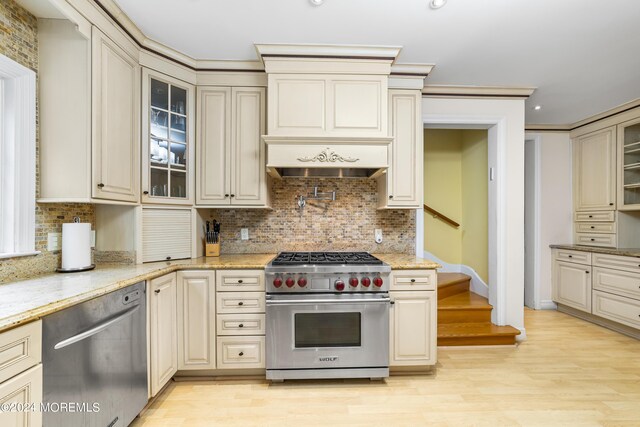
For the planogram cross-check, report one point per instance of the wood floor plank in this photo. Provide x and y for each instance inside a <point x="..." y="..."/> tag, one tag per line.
<point x="567" y="373"/>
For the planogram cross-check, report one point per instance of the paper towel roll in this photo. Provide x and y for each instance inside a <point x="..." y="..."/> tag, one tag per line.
<point x="76" y="245"/>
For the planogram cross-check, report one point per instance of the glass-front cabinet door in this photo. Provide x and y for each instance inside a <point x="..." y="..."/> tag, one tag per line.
<point x="168" y="123"/>
<point x="629" y="165"/>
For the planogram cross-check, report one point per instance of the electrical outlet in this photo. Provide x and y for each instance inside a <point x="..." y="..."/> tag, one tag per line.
<point x="378" y="235"/>
<point x="54" y="241"/>
<point x="244" y="233"/>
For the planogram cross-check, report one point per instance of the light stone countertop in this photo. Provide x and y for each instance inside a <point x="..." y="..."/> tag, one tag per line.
<point x="407" y="262"/>
<point x="28" y="300"/>
<point x="635" y="252"/>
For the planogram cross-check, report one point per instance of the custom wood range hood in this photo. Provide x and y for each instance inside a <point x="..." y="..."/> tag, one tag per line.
<point x="328" y="109"/>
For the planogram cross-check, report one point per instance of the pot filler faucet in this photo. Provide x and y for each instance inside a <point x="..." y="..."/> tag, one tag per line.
<point x="317" y="195"/>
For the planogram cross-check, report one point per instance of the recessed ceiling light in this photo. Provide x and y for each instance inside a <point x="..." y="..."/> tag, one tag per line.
<point x="316" y="2"/>
<point x="437" y="4"/>
<point x="537" y="107"/>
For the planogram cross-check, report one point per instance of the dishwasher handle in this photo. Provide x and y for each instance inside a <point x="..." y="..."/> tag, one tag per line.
<point x="96" y="329"/>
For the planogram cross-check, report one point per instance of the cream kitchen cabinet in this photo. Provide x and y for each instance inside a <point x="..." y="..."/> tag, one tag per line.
<point x="328" y="105"/>
<point x="163" y="330"/>
<point x="572" y="285"/>
<point x="629" y="165"/>
<point x="240" y="319"/>
<point x="115" y="121"/>
<point x="196" y="320"/>
<point x="168" y="123"/>
<point x="231" y="167"/>
<point x="413" y="319"/>
<point x="21" y="376"/>
<point x="594" y="168"/>
<point x="401" y="185"/>
<point x="89" y="115"/>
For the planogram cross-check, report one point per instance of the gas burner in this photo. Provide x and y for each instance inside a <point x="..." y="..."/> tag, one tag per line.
<point x="326" y="258"/>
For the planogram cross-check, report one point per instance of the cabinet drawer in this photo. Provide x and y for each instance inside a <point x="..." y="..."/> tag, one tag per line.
<point x="414" y="280"/>
<point x="617" y="262"/>
<point x="23" y="390"/>
<point x="596" y="227"/>
<point x="573" y="256"/>
<point x="240" y="280"/>
<point x="595" y="216"/>
<point x="593" y="239"/>
<point x="619" y="309"/>
<point x="240" y="352"/>
<point x="240" y="324"/>
<point x="20" y="349"/>
<point x="617" y="282"/>
<point x="240" y="302"/>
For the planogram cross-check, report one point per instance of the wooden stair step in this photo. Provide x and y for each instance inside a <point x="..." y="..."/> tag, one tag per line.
<point x="476" y="334"/>
<point x="466" y="307"/>
<point x="452" y="283"/>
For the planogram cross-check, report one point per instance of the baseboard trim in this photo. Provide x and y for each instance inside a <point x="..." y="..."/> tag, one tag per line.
<point x="547" y="305"/>
<point x="605" y="323"/>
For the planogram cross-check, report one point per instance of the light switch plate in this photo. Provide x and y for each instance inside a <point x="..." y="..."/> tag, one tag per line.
<point x="378" y="235"/>
<point x="244" y="233"/>
<point x="54" y="241"/>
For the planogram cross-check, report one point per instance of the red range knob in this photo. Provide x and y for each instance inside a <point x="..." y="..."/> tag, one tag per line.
<point x="302" y="282"/>
<point x="377" y="281"/>
<point x="339" y="285"/>
<point x="290" y="282"/>
<point x="353" y="281"/>
<point x="277" y="282"/>
<point x="366" y="282"/>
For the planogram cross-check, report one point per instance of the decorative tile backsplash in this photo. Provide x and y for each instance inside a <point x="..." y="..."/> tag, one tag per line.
<point x="348" y="223"/>
<point x="19" y="41"/>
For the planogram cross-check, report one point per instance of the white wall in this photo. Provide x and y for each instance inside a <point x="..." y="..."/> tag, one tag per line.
<point x="554" y="208"/>
<point x="505" y="120"/>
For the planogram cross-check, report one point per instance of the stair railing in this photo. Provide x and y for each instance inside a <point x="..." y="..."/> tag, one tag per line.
<point x="441" y="216"/>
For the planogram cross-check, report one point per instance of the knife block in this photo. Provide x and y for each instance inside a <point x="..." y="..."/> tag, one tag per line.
<point x="212" y="249"/>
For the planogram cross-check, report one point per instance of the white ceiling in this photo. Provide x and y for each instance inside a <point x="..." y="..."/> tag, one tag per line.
<point x="582" y="55"/>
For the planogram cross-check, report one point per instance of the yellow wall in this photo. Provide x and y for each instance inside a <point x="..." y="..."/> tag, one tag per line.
<point x="455" y="184"/>
<point x="442" y="183"/>
<point x="475" y="215"/>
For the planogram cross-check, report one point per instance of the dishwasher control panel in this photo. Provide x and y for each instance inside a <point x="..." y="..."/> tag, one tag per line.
<point x="132" y="296"/>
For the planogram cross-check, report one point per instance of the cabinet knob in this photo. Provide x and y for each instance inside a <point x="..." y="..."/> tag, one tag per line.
<point x="145" y="192"/>
<point x="570" y="256"/>
<point x="100" y="185"/>
<point x="593" y="240"/>
<point x="587" y="272"/>
<point x="240" y="303"/>
<point x="390" y="196"/>
<point x="592" y="227"/>
<point x="157" y="291"/>
<point x="240" y="281"/>
<point x="610" y="204"/>
<point x="240" y="325"/>
<point x="413" y="280"/>
<point x="233" y="195"/>
<point x="392" y="302"/>
<point x="241" y="354"/>
<point x="590" y="216"/>
<point x="226" y="195"/>
<point x="168" y="258"/>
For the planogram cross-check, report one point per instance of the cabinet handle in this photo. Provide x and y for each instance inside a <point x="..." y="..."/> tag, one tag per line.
<point x="570" y="256"/>
<point x="240" y="303"/>
<point x="593" y="240"/>
<point x="587" y="272"/>
<point x="590" y="216"/>
<point x="233" y="195"/>
<point x="392" y="302"/>
<point x="168" y="258"/>
<point x="592" y="227"/>
<point x="157" y="291"/>
<point x="100" y="185"/>
<point x="413" y="280"/>
<point x="240" y="281"/>
<point x="610" y="204"/>
<point x="390" y="196"/>
<point x="145" y="192"/>
<point x="241" y="354"/>
<point x="226" y="195"/>
<point x="240" y="325"/>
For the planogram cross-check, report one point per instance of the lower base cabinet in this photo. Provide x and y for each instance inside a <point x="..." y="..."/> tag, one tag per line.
<point x="163" y="330"/>
<point x="241" y="352"/>
<point x="413" y="329"/>
<point x="20" y="394"/>
<point x="572" y="285"/>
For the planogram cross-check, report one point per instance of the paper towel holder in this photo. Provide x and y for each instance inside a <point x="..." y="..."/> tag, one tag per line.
<point x="76" y="219"/>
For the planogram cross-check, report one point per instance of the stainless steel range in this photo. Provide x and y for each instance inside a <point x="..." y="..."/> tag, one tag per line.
<point x="327" y="316"/>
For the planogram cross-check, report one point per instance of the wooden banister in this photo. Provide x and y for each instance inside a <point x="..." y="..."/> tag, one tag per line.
<point x="437" y="214"/>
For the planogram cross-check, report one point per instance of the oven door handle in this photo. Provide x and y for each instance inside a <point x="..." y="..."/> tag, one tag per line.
<point x="325" y="301"/>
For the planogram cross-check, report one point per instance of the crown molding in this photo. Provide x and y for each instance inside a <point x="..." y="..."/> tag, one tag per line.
<point x="284" y="50"/>
<point x="453" y="91"/>
<point x="546" y="128"/>
<point x="606" y="114"/>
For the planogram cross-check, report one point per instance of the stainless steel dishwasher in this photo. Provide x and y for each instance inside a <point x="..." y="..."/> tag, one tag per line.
<point x="95" y="361"/>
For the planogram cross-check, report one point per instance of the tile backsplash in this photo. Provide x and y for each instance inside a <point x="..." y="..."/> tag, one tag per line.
<point x="348" y="223"/>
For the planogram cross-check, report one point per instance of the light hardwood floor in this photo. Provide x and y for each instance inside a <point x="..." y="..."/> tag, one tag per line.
<point x="568" y="373"/>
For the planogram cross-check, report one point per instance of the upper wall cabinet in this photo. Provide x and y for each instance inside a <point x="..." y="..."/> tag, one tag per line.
<point x="89" y="116"/>
<point x="401" y="186"/>
<point x="629" y="165"/>
<point x="167" y="134"/>
<point x="594" y="160"/>
<point x="230" y="151"/>
<point x="327" y="105"/>
<point x="115" y="121"/>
